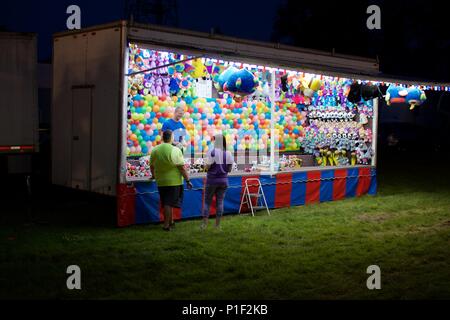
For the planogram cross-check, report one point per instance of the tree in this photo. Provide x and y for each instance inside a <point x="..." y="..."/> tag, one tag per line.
<point x="414" y="39"/>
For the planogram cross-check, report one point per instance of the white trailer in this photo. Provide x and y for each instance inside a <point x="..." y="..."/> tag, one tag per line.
<point x="19" y="120"/>
<point x="89" y="90"/>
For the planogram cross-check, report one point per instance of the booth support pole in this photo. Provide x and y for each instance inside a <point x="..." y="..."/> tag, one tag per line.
<point x="272" y="122"/>
<point x="123" y="115"/>
<point x="375" y="131"/>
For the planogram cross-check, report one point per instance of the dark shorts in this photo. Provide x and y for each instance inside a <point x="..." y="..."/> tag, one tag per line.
<point x="171" y="196"/>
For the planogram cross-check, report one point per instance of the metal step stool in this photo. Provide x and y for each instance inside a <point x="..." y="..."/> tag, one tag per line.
<point x="247" y="197"/>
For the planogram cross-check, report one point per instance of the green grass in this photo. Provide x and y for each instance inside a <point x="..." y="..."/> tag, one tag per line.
<point x="310" y="252"/>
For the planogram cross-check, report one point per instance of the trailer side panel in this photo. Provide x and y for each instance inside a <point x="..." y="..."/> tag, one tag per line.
<point x="86" y="106"/>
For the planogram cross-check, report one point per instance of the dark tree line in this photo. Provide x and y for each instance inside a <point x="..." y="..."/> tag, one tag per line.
<point x="414" y="39"/>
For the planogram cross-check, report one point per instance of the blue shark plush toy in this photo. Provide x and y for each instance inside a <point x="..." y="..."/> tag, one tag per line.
<point x="395" y="94"/>
<point x="415" y="97"/>
<point x="242" y="83"/>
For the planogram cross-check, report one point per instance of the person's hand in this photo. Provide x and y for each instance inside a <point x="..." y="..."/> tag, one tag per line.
<point x="189" y="184"/>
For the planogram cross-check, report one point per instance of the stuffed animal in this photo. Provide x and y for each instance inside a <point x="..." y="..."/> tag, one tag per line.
<point x="354" y="92"/>
<point x="353" y="158"/>
<point x="284" y="83"/>
<point x="396" y="94"/>
<point x="152" y="60"/>
<point x="370" y="91"/>
<point x="415" y="97"/>
<point x="162" y="62"/>
<point x="174" y="86"/>
<point x="242" y="83"/>
<point x="158" y="87"/>
<point x="309" y="86"/>
<point x="149" y="84"/>
<point x="223" y="77"/>
<point x="166" y="88"/>
<point x="199" y="70"/>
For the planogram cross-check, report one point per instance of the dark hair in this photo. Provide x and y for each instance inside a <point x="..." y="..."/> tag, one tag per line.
<point x="167" y="135"/>
<point x="217" y="137"/>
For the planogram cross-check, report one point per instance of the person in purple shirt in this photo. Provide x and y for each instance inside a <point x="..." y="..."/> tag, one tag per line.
<point x="219" y="162"/>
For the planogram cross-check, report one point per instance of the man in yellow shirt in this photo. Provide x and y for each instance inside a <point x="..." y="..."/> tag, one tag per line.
<point x="167" y="167"/>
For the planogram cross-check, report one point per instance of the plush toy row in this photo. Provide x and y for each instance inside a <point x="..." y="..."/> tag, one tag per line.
<point x="351" y="137"/>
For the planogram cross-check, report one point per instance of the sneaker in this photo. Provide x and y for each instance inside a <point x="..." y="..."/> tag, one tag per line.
<point x="166" y="229"/>
<point x="172" y="225"/>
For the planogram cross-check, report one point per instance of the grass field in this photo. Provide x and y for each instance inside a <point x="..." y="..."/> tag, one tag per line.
<point x="311" y="252"/>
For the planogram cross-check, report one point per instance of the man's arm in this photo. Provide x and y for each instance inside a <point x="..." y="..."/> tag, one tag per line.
<point x="152" y="170"/>
<point x="185" y="176"/>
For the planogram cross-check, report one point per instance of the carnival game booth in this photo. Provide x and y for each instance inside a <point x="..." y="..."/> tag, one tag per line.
<point x="303" y="122"/>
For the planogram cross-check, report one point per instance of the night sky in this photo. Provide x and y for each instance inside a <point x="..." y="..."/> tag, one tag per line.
<point x="414" y="40"/>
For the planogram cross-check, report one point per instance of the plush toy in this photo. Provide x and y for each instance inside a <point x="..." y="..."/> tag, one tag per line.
<point x="370" y="91"/>
<point x="199" y="70"/>
<point x="162" y="62"/>
<point x="166" y="88"/>
<point x="188" y="67"/>
<point x="209" y="66"/>
<point x="242" y="83"/>
<point x="174" y="86"/>
<point x="284" y="83"/>
<point x="223" y="78"/>
<point x="318" y="158"/>
<point x="354" y="92"/>
<point x="396" y="94"/>
<point x="149" y="84"/>
<point x="329" y="156"/>
<point x="353" y="160"/>
<point x="179" y="67"/>
<point x="309" y="86"/>
<point x="158" y="87"/>
<point x="415" y="97"/>
<point x="152" y="60"/>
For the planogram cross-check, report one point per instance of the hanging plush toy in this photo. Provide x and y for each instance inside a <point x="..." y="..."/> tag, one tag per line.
<point x="415" y="97"/>
<point x="309" y="86"/>
<point x="354" y="92"/>
<point x="284" y="83"/>
<point x="396" y="94"/>
<point x="242" y="83"/>
<point x="199" y="70"/>
<point x="370" y="91"/>
<point x="223" y="78"/>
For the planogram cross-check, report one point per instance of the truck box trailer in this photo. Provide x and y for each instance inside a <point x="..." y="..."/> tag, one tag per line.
<point x="19" y="119"/>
